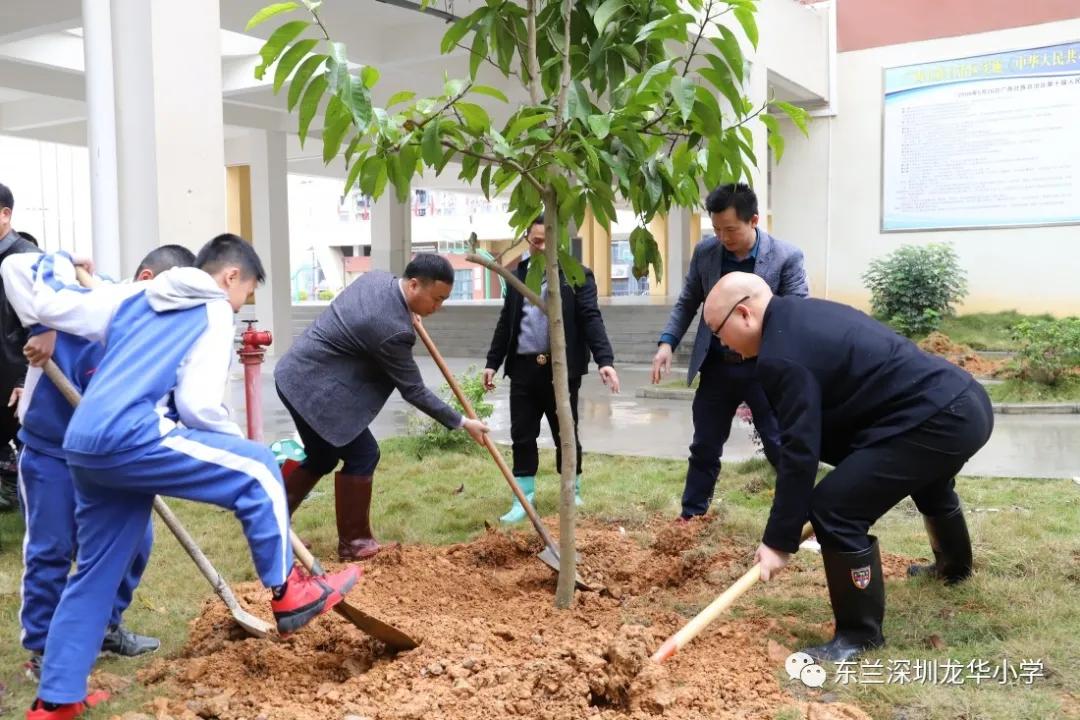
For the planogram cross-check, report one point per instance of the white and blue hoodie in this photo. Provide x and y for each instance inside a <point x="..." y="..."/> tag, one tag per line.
<point x="168" y="344"/>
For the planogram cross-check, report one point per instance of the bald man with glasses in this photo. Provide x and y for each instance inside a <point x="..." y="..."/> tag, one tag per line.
<point x="892" y="420"/>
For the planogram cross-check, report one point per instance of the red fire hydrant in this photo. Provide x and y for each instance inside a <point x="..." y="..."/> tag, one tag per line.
<point x="251" y="353"/>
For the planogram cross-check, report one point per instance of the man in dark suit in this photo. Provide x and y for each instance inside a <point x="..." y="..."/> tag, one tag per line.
<point x="521" y="340"/>
<point x="12" y="362"/>
<point x="727" y="378"/>
<point x="892" y="420"/>
<point x="338" y="375"/>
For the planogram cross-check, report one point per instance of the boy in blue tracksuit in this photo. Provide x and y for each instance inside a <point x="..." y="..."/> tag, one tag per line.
<point x="45" y="486"/>
<point x="152" y="423"/>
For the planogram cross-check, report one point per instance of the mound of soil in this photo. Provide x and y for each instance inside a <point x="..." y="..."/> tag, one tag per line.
<point x="493" y="646"/>
<point x="961" y="355"/>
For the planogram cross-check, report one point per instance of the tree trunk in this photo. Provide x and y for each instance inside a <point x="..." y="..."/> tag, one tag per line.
<point x="564" y="593"/>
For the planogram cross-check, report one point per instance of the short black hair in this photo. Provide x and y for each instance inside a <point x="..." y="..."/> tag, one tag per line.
<point x="7" y="200"/>
<point x="429" y="267"/>
<point x="28" y="238"/>
<point x="539" y="220"/>
<point x="167" y="256"/>
<point x="228" y="249"/>
<point x="737" y="195"/>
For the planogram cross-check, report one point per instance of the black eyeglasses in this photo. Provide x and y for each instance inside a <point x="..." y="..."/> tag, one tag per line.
<point x="720" y="327"/>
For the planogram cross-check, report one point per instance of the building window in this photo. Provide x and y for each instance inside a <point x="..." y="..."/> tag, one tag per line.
<point x="463" y="285"/>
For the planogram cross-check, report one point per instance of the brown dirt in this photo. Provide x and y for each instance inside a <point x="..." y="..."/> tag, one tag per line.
<point x="493" y="645"/>
<point x="961" y="355"/>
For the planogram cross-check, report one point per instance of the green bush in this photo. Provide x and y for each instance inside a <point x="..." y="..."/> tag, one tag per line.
<point x="326" y="295"/>
<point x="432" y="434"/>
<point x="1048" y="349"/>
<point x="302" y="295"/>
<point x="915" y="287"/>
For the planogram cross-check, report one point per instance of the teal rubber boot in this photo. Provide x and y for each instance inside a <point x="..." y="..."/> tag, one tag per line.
<point x="517" y="512"/>
<point x="577" y="492"/>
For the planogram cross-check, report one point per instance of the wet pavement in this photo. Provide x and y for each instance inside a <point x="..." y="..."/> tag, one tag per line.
<point x="1036" y="446"/>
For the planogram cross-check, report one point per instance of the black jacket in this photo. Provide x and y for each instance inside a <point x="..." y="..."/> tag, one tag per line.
<point x="12" y="334"/>
<point x="838" y="381"/>
<point x="581" y="319"/>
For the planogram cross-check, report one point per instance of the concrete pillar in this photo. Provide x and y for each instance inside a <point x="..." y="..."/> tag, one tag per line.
<point x="598" y="241"/>
<point x="171" y="161"/>
<point x="269" y="196"/>
<point x="682" y="235"/>
<point x="391" y="233"/>
<point x="659" y="228"/>
<point x="101" y="136"/>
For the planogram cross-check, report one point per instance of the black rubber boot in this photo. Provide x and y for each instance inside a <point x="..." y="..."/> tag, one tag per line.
<point x="951" y="545"/>
<point x="857" y="593"/>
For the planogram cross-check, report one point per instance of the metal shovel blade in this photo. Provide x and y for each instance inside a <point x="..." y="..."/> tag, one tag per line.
<point x="394" y="639"/>
<point x="256" y="627"/>
<point x="549" y="558"/>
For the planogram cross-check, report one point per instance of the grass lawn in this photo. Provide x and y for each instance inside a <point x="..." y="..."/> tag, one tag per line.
<point x="1016" y="390"/>
<point x="986" y="331"/>
<point x="1022" y="603"/>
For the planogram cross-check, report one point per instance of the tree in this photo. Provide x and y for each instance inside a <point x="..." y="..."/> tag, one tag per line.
<point x="624" y="103"/>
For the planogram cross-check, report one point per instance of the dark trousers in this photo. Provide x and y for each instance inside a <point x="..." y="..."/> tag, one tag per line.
<point x="723" y="387"/>
<point x="532" y="396"/>
<point x="922" y="462"/>
<point x="361" y="455"/>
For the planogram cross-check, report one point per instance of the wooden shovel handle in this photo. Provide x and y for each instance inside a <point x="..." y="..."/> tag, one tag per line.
<point x="488" y="442"/>
<point x="699" y="622"/>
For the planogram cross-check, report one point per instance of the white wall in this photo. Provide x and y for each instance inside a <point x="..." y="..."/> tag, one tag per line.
<point x="1029" y="269"/>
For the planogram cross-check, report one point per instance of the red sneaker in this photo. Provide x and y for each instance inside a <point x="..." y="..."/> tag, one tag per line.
<point x="67" y="711"/>
<point x="308" y="597"/>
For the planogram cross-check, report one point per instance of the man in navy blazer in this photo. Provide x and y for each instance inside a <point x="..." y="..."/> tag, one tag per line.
<point x="892" y="420"/>
<point x="727" y="379"/>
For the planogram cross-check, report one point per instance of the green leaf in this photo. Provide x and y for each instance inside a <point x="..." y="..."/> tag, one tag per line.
<point x="525" y="122"/>
<point x="485" y="182"/>
<point x="600" y="125"/>
<point x="372" y="166"/>
<point x="399" y="97"/>
<point x="684" y="90"/>
<point x="358" y="100"/>
<point x="369" y="76"/>
<point x="745" y="16"/>
<point x="475" y="117"/>
<point x="337" y="67"/>
<point x="452" y="88"/>
<point x="728" y="45"/>
<point x="270" y="11"/>
<point x="653" y="73"/>
<point x="431" y="149"/>
<point x="490" y="92"/>
<point x="277" y="42"/>
<point x="707" y="111"/>
<point x="775" y="139"/>
<point x="457" y="31"/>
<point x="796" y="114"/>
<point x="643" y="247"/>
<point x="353" y="176"/>
<point x="310" y="104"/>
<point x="606" y="12"/>
<point x="590" y="153"/>
<point x="724" y="85"/>
<point x="535" y="276"/>
<point x="334" y="131"/>
<point x="577" y="103"/>
<point x="307" y="69"/>
<point x="572" y="269"/>
<point x="289" y="61"/>
<point x="478" y="54"/>
<point x="505" y="50"/>
<point x="676" y="22"/>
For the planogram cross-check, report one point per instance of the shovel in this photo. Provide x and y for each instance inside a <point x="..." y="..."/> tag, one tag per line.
<point x="726" y="599"/>
<point x="254" y="626"/>
<point x="394" y="639"/>
<point x="550" y="555"/>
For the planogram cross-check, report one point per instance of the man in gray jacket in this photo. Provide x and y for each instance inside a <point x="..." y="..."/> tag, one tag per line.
<point x="727" y="379"/>
<point x="338" y="375"/>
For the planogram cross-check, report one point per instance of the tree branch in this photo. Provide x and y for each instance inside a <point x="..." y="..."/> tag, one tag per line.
<point x="701" y="32"/>
<point x="512" y="164"/>
<point x="564" y="74"/>
<point x="510" y="278"/>
<point x="534" y="62"/>
<point x="499" y="257"/>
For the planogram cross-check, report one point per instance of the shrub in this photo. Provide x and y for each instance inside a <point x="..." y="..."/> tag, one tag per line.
<point x="326" y="295"/>
<point x="302" y="295"/>
<point x="432" y="434"/>
<point x="1048" y="349"/>
<point x="913" y="288"/>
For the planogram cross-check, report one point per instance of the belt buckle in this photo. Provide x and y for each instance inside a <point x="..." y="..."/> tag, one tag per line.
<point x="541" y="359"/>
